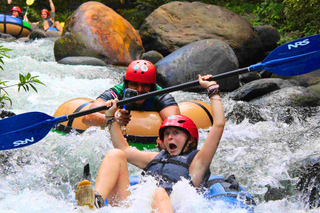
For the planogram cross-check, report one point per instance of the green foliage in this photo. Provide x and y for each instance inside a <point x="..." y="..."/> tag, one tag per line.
<point x="3" y="54"/>
<point x="270" y="12"/>
<point x="26" y="81"/>
<point x="134" y="16"/>
<point x="305" y="14"/>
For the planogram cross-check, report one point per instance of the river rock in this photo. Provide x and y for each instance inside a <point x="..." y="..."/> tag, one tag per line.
<point x="152" y="56"/>
<point x="289" y="96"/>
<point x="176" y="24"/>
<point x="96" y="30"/>
<point x="269" y="37"/>
<point x="243" y="110"/>
<point x="210" y="56"/>
<point x="258" y="88"/>
<point x="7" y="37"/>
<point x="305" y="80"/>
<point x="248" y="77"/>
<point x="315" y="88"/>
<point x="79" y="60"/>
<point x="6" y="113"/>
<point x="309" y="180"/>
<point x="38" y="33"/>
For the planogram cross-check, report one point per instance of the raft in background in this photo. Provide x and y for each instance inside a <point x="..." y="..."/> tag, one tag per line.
<point x="142" y="130"/>
<point x="14" y="26"/>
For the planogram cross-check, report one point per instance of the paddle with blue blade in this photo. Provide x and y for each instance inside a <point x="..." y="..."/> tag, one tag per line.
<point x="293" y="58"/>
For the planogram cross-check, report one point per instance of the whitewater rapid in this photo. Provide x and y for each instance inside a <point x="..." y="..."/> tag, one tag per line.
<point x="42" y="177"/>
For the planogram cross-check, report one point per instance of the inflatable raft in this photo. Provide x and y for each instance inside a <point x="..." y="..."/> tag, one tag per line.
<point x="14" y="26"/>
<point x="222" y="193"/>
<point x="142" y="130"/>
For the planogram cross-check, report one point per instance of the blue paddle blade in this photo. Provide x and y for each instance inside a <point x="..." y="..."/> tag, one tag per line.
<point x="293" y="58"/>
<point x="26" y="129"/>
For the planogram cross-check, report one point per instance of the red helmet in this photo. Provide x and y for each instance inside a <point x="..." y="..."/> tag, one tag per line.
<point x="179" y="121"/>
<point x="46" y="11"/>
<point x="16" y="8"/>
<point x="142" y="71"/>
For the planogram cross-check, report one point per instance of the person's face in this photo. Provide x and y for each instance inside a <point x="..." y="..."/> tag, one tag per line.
<point x="15" y="13"/>
<point x="140" y="87"/>
<point x="174" y="140"/>
<point x="44" y="15"/>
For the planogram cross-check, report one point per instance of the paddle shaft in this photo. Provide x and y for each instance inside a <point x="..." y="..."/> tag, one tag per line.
<point x="159" y="92"/>
<point x="252" y="68"/>
<point x="26" y="11"/>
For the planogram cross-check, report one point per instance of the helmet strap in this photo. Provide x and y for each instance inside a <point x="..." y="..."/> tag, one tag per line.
<point x="185" y="144"/>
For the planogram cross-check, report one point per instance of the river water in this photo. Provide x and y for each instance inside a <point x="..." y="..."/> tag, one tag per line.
<point x="42" y="177"/>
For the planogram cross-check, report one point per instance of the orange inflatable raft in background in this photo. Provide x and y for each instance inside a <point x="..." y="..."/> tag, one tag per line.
<point x="142" y="130"/>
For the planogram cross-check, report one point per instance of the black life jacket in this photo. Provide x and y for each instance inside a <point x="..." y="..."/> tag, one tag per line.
<point x="169" y="170"/>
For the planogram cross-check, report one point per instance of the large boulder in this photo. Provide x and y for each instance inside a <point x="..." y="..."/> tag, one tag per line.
<point x="210" y="56"/>
<point x="269" y="37"/>
<point x="96" y="30"/>
<point x="177" y="24"/>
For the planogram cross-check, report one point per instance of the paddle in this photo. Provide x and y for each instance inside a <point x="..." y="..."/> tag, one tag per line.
<point x="29" y="3"/>
<point x="294" y="58"/>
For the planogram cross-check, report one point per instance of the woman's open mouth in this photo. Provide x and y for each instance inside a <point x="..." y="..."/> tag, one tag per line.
<point x="172" y="146"/>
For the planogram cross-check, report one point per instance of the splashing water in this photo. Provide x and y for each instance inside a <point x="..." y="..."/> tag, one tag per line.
<point x="42" y="177"/>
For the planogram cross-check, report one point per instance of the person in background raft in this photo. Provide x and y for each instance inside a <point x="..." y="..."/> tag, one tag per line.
<point x="47" y="23"/>
<point x="140" y="76"/>
<point x="180" y="157"/>
<point x="14" y="11"/>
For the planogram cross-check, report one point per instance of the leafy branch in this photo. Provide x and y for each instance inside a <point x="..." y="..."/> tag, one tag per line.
<point x="27" y="81"/>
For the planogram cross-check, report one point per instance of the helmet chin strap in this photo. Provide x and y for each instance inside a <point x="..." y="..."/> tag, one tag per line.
<point x="185" y="144"/>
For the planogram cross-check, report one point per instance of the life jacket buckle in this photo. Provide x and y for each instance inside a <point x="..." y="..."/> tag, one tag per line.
<point x="163" y="160"/>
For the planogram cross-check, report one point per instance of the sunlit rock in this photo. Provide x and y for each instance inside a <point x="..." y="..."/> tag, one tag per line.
<point x="96" y="30"/>
<point x="177" y="24"/>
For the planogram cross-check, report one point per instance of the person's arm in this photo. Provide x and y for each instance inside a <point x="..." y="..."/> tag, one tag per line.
<point x="53" y="11"/>
<point x="170" y="110"/>
<point x="97" y="118"/>
<point x="134" y="156"/>
<point x="52" y="7"/>
<point x="166" y="106"/>
<point x="203" y="158"/>
<point x="8" y="9"/>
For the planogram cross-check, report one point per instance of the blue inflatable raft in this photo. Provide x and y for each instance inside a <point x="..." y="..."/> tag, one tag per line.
<point x="221" y="189"/>
<point x="14" y="26"/>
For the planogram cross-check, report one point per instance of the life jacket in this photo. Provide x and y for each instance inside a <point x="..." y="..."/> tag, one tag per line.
<point x="49" y="21"/>
<point x="169" y="170"/>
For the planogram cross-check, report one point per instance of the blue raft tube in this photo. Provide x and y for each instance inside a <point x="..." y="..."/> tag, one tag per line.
<point x="221" y="189"/>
